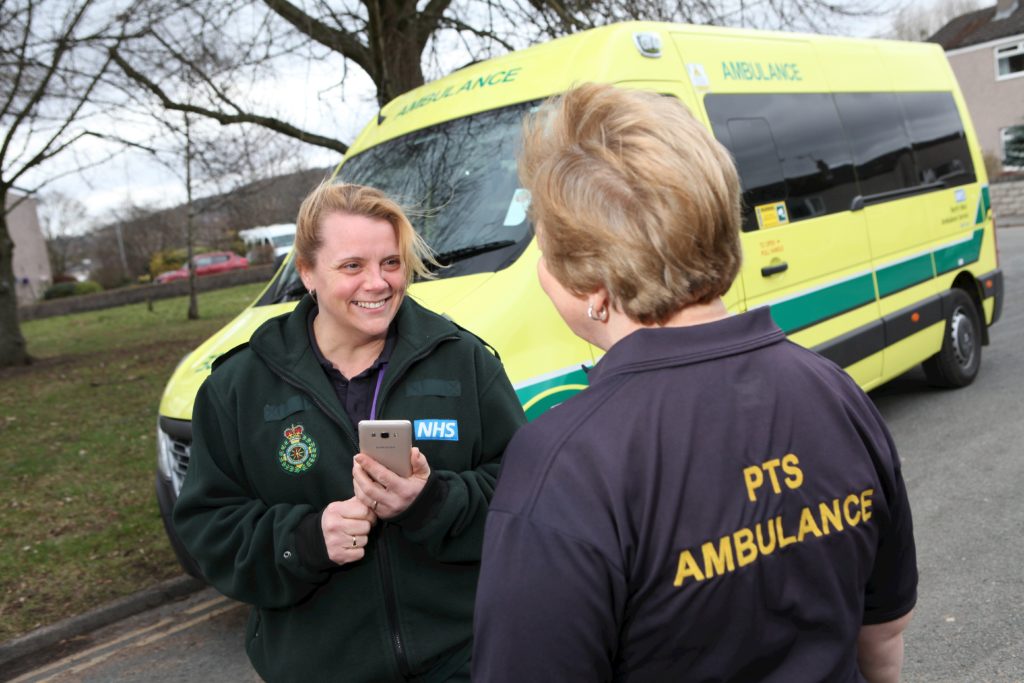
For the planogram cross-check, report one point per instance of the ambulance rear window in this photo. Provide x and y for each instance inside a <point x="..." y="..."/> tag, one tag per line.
<point x="940" y="145"/>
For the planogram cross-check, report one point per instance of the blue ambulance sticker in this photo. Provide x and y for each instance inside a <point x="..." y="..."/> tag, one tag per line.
<point x="436" y="430"/>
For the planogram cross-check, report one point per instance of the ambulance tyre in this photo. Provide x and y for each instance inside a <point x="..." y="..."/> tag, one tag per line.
<point x="957" y="363"/>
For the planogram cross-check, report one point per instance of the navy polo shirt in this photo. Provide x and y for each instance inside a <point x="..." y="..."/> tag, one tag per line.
<point x="355" y="394"/>
<point x="720" y="504"/>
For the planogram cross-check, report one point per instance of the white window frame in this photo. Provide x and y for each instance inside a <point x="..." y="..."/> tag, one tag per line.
<point x="1004" y="135"/>
<point x="1005" y="52"/>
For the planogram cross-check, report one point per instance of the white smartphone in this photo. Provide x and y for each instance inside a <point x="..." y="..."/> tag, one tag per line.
<point x="389" y="442"/>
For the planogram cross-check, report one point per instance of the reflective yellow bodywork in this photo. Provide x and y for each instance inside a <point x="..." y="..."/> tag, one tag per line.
<point x="826" y="256"/>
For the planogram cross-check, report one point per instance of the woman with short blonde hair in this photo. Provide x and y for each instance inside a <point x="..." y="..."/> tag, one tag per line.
<point x="359" y="200"/>
<point x="679" y="520"/>
<point x="625" y="189"/>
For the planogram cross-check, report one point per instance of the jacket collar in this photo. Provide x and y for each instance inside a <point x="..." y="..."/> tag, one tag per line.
<point x="283" y="342"/>
<point x="651" y="348"/>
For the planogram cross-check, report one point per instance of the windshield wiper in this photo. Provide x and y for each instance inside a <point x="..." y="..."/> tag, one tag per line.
<point x="448" y="257"/>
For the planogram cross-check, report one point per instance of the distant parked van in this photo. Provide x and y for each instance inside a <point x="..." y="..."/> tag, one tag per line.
<point x="275" y="240"/>
<point x="866" y="224"/>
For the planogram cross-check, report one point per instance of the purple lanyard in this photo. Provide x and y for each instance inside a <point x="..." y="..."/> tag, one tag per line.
<point x="376" y="392"/>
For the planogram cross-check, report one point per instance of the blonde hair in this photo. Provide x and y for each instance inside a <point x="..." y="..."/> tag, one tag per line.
<point x="359" y="200"/>
<point x="630" y="192"/>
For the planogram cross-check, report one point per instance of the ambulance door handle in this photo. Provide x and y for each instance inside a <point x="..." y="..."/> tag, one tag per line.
<point x="774" y="269"/>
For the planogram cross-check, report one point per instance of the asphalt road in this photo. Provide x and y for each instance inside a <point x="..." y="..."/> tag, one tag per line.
<point x="962" y="459"/>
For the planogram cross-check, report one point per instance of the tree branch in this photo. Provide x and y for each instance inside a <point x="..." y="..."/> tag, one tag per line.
<point x="63" y="44"/>
<point x="19" y="66"/>
<point x="430" y="19"/>
<point x="342" y="42"/>
<point x="274" y="124"/>
<point x="46" y="152"/>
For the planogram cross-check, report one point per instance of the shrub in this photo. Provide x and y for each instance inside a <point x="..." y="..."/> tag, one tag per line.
<point x="165" y="260"/>
<point x="87" y="287"/>
<point x="65" y="289"/>
<point x="60" y="290"/>
<point x="171" y="259"/>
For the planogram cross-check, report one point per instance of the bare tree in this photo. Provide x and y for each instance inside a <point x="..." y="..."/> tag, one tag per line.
<point x="914" y="22"/>
<point x="61" y="217"/>
<point x="213" y="164"/>
<point x="53" y="55"/>
<point x="144" y="230"/>
<point x="233" y="47"/>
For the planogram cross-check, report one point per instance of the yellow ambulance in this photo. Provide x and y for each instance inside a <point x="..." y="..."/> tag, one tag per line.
<point x="867" y="226"/>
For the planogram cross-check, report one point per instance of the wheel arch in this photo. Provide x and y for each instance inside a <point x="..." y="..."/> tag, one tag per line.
<point x="969" y="284"/>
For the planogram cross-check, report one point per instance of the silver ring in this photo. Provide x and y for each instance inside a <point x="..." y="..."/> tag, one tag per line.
<point x="375" y="505"/>
<point x="355" y="543"/>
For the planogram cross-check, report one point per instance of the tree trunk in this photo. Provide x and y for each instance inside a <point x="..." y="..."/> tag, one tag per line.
<point x="395" y="46"/>
<point x="193" y="302"/>
<point x="12" y="344"/>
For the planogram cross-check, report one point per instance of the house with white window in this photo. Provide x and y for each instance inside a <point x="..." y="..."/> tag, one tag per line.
<point x="986" y="50"/>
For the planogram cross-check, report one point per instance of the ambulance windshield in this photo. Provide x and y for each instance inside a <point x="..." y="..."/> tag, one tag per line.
<point x="458" y="183"/>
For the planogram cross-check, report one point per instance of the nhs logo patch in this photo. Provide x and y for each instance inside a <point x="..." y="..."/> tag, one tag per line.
<point x="436" y="430"/>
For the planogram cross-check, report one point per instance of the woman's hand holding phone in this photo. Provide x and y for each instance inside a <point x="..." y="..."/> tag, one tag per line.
<point x="385" y="493"/>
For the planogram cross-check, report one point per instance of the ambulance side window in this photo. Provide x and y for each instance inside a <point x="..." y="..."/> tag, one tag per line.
<point x="750" y="141"/>
<point x="879" y="140"/>
<point x="940" y="145"/>
<point x="808" y="145"/>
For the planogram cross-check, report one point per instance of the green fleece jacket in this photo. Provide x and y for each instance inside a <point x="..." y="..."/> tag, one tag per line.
<point x="250" y="506"/>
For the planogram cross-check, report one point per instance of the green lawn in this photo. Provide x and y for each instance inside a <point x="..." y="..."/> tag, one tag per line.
<point x="79" y="523"/>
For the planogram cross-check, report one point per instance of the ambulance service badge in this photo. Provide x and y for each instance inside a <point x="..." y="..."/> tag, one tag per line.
<point x="298" y="452"/>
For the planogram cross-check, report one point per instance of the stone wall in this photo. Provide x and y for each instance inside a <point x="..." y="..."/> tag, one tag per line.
<point x="134" y="295"/>
<point x="1008" y="202"/>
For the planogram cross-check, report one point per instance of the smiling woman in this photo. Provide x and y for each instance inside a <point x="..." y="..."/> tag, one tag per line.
<point x="346" y="563"/>
<point x="359" y="281"/>
<point x="356" y="253"/>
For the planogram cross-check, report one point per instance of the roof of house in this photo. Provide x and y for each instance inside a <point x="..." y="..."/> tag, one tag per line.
<point x="977" y="27"/>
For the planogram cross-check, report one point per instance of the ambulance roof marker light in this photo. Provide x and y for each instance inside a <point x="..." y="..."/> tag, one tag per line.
<point x="648" y="44"/>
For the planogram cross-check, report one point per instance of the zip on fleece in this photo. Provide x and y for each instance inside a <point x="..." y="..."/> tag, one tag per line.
<point x="383" y="552"/>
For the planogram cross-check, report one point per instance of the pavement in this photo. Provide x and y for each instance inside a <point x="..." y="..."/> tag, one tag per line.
<point x="48" y="641"/>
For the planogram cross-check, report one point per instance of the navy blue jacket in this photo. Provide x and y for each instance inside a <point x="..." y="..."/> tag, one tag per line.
<point x="721" y="504"/>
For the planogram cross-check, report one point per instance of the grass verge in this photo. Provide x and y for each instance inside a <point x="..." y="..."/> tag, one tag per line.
<point x="79" y="523"/>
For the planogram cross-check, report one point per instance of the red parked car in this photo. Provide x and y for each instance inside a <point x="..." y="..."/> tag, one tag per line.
<point x="207" y="264"/>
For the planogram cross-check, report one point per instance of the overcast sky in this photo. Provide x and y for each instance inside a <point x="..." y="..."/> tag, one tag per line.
<point x="307" y="96"/>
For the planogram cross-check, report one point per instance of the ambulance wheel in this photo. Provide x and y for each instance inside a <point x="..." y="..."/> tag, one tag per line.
<point x="958" y="362"/>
